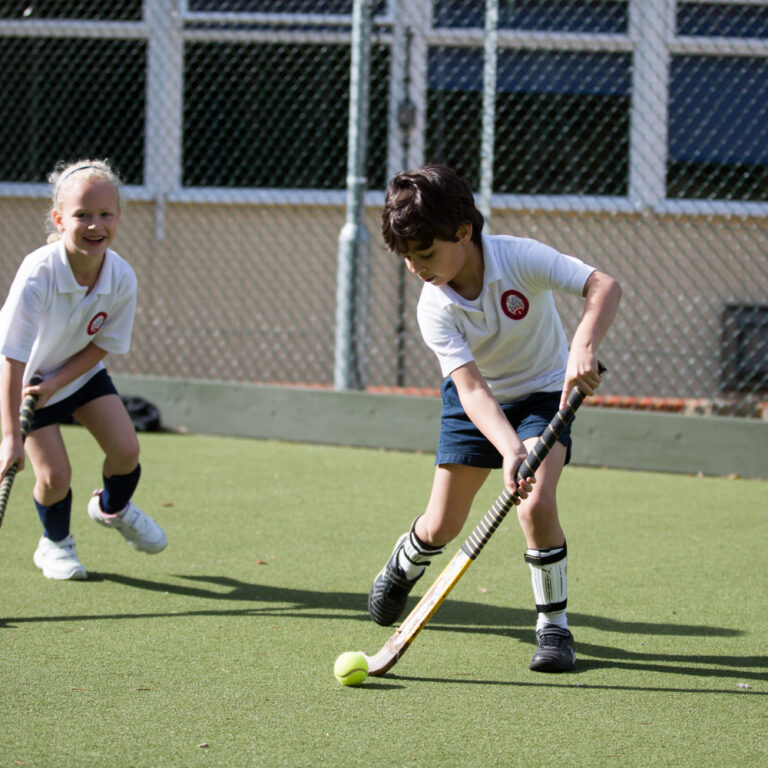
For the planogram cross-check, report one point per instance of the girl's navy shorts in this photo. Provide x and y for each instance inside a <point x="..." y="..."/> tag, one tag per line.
<point x="98" y="385"/>
<point x="461" y="442"/>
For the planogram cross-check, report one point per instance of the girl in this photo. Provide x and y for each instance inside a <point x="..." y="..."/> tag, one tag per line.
<point x="72" y="302"/>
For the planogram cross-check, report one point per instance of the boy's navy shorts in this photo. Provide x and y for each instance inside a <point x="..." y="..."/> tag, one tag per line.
<point x="98" y="385"/>
<point x="461" y="442"/>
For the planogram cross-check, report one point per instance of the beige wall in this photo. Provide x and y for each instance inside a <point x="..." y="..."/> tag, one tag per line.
<point x="248" y="293"/>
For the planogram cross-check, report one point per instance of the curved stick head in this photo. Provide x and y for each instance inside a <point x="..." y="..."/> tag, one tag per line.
<point x="380" y="663"/>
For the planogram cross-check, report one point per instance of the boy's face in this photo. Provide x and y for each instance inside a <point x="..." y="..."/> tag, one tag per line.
<point x="444" y="262"/>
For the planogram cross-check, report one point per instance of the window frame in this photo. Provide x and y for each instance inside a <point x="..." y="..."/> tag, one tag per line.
<point x="169" y="24"/>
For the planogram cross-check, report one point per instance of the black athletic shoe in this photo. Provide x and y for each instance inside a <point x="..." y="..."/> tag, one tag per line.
<point x="389" y="593"/>
<point x="555" y="652"/>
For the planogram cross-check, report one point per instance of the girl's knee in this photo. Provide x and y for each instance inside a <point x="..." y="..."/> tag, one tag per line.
<point x="123" y="458"/>
<point x="54" y="482"/>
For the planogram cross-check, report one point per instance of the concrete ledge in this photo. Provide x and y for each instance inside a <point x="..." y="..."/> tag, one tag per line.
<point x="603" y="437"/>
<point x="672" y="443"/>
<point x="290" y="413"/>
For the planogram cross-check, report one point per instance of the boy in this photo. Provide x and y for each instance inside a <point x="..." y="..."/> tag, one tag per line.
<point x="487" y="311"/>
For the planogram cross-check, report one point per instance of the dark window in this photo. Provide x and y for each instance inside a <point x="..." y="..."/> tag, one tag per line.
<point x="718" y="128"/>
<point x="92" y="10"/>
<point x="276" y="115"/>
<point x="744" y="357"/>
<point x="562" y="122"/>
<point x="597" y="16"/>
<point x="336" y="7"/>
<point x="68" y="98"/>
<point x="718" y="20"/>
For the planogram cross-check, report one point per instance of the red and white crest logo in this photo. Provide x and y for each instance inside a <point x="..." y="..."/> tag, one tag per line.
<point x="514" y="305"/>
<point x="96" y="322"/>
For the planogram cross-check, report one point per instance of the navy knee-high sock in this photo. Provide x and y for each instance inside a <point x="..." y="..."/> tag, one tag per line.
<point x="55" y="518"/>
<point x="118" y="490"/>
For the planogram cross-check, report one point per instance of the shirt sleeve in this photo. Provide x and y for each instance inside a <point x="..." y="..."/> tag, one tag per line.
<point x="442" y="335"/>
<point x="21" y="317"/>
<point x="549" y="269"/>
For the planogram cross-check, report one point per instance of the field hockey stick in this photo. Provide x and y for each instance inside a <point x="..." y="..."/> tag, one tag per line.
<point x="417" y="619"/>
<point x="25" y="418"/>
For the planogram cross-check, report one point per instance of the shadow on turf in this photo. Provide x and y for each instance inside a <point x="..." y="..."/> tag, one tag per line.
<point x="454" y="616"/>
<point x="481" y="616"/>
<point x="466" y="680"/>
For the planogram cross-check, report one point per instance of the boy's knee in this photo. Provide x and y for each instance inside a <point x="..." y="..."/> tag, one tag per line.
<point x="436" y="533"/>
<point x="536" y="511"/>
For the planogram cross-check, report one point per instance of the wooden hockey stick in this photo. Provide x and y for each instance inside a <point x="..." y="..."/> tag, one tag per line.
<point x="404" y="635"/>
<point x="25" y="418"/>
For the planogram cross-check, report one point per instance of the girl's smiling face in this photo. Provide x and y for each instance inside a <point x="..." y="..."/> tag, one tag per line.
<point x="87" y="216"/>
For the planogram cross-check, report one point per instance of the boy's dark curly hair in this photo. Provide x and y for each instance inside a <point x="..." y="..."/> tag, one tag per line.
<point x="428" y="203"/>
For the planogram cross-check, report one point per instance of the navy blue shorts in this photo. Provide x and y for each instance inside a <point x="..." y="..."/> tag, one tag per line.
<point x="461" y="442"/>
<point x="98" y="385"/>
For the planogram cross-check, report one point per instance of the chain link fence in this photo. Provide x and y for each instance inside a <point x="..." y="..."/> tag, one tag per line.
<point x="631" y="134"/>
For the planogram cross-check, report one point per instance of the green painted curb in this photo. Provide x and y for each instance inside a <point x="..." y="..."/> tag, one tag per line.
<point x="603" y="437"/>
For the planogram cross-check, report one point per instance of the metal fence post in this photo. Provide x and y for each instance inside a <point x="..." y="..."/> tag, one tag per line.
<point x="487" y="149"/>
<point x="354" y="239"/>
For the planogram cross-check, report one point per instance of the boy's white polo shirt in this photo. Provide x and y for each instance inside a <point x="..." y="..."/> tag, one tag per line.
<point x="512" y="330"/>
<point x="47" y="318"/>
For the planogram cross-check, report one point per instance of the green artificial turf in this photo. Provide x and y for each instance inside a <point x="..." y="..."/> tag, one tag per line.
<point x="219" y="651"/>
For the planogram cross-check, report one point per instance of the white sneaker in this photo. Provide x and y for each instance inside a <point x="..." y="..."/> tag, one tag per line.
<point x="58" y="559"/>
<point x="137" y="528"/>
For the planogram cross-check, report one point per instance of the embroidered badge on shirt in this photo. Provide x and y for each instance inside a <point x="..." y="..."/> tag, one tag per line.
<point x="514" y="305"/>
<point x="96" y="322"/>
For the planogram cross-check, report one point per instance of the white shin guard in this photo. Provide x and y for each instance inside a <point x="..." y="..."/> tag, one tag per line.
<point x="549" y="580"/>
<point x="415" y="555"/>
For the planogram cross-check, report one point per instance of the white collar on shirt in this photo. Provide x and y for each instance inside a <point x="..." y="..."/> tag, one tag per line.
<point x="65" y="277"/>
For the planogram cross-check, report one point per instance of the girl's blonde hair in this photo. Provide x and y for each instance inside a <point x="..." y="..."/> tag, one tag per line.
<point x="64" y="173"/>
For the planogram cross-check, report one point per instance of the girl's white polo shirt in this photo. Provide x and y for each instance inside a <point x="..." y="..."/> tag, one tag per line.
<point x="47" y="318"/>
<point x="512" y="330"/>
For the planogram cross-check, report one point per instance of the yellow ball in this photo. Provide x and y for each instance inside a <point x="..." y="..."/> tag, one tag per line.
<point x="351" y="668"/>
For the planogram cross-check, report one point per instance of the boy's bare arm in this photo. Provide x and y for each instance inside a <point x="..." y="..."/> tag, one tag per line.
<point x="602" y="295"/>
<point x="486" y="414"/>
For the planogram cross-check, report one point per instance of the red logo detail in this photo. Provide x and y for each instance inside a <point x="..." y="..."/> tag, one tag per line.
<point x="514" y="304"/>
<point x="96" y="322"/>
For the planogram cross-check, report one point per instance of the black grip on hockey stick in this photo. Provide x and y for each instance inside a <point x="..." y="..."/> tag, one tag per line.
<point x="25" y="419"/>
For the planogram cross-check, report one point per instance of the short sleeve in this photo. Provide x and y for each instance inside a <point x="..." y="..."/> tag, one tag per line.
<point x="442" y="335"/>
<point x="551" y="270"/>
<point x="21" y="317"/>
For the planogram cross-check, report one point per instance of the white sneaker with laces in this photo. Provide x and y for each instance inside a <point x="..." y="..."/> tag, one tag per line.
<point x="58" y="559"/>
<point x="136" y="527"/>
